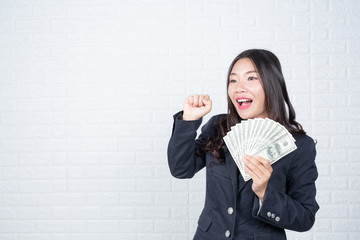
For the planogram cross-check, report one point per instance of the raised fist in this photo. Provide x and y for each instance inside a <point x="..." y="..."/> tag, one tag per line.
<point x="196" y="106"/>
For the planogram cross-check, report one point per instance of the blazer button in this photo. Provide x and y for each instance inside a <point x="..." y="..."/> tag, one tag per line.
<point x="269" y="214"/>
<point x="227" y="233"/>
<point x="277" y="219"/>
<point x="230" y="210"/>
<point x="273" y="215"/>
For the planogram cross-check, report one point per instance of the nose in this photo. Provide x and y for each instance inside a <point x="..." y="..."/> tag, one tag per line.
<point x="240" y="87"/>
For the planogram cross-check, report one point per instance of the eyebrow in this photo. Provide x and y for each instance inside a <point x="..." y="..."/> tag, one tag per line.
<point x="252" y="71"/>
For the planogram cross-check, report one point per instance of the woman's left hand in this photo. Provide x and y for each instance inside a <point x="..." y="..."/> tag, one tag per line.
<point x="260" y="171"/>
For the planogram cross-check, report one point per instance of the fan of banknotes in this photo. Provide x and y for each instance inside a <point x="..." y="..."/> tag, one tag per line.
<point x="258" y="137"/>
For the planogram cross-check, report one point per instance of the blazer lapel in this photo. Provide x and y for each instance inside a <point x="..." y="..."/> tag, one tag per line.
<point x="236" y="177"/>
<point x="242" y="182"/>
<point x="233" y="170"/>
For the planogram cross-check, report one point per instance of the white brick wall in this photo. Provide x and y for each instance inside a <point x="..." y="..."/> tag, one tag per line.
<point x="88" y="89"/>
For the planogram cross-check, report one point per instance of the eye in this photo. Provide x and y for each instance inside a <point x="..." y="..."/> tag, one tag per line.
<point x="252" y="78"/>
<point x="232" y="80"/>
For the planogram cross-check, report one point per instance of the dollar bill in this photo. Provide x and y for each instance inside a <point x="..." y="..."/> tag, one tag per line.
<point x="258" y="137"/>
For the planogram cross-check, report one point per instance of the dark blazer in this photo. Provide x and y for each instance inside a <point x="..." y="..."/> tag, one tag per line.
<point x="231" y="208"/>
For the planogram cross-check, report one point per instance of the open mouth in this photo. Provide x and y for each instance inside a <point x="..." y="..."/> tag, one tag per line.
<point x="244" y="103"/>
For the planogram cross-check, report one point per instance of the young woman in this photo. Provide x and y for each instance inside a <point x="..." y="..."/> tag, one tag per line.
<point x="279" y="196"/>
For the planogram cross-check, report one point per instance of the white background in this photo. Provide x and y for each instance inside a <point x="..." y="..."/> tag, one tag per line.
<point x="88" y="89"/>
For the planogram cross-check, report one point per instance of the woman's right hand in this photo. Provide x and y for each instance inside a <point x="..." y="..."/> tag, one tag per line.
<point x="196" y="106"/>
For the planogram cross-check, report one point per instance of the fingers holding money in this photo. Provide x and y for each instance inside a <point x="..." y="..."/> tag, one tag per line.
<point x="260" y="171"/>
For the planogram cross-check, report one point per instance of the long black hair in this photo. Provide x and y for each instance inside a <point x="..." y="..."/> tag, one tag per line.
<point x="277" y="102"/>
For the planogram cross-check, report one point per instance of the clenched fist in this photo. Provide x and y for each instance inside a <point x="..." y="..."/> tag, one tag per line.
<point x="196" y="106"/>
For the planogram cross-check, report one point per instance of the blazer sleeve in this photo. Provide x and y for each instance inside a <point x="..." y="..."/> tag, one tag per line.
<point x="294" y="210"/>
<point x="182" y="160"/>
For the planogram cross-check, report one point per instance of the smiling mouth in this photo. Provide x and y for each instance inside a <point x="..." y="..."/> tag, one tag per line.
<point x="244" y="103"/>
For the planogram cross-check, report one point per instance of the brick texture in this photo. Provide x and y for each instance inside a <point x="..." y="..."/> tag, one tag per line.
<point x="88" y="89"/>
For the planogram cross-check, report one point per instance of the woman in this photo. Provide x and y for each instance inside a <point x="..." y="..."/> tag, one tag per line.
<point x="279" y="196"/>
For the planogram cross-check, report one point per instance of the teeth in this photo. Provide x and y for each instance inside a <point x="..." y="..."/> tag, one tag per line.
<point x="244" y="100"/>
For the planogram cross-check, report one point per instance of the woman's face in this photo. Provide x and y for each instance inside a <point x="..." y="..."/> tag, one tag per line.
<point x="245" y="90"/>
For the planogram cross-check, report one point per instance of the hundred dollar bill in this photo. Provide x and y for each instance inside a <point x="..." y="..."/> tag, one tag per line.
<point x="277" y="149"/>
<point x="258" y="137"/>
